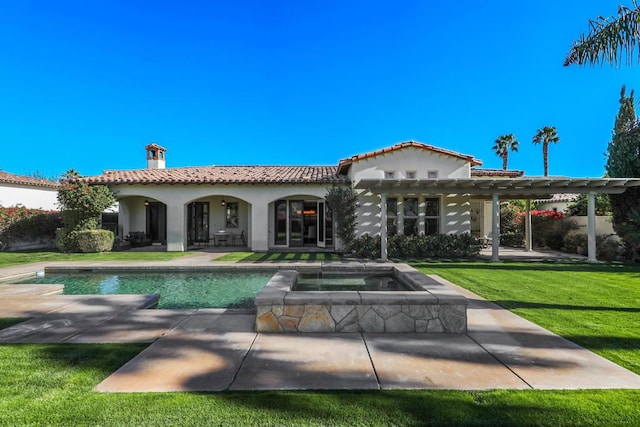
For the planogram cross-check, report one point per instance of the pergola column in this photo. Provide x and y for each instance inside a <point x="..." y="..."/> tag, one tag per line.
<point x="527" y="227"/>
<point x="591" y="227"/>
<point x="495" y="227"/>
<point x="176" y="227"/>
<point x="383" y="227"/>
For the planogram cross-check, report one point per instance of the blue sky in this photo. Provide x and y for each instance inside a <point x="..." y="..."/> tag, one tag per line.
<point x="87" y="84"/>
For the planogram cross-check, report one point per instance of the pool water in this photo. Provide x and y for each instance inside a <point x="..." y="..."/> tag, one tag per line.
<point x="348" y="282"/>
<point x="177" y="290"/>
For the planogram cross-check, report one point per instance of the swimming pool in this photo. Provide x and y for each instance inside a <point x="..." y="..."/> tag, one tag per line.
<point x="178" y="290"/>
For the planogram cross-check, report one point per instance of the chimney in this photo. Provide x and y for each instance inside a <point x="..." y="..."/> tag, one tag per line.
<point x="155" y="156"/>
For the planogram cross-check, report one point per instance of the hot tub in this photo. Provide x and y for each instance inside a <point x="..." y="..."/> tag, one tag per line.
<point x="427" y="305"/>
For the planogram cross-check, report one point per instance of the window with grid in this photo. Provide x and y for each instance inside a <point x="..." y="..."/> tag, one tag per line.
<point x="392" y="216"/>
<point x="410" y="216"/>
<point x="432" y="216"/>
<point x="232" y="215"/>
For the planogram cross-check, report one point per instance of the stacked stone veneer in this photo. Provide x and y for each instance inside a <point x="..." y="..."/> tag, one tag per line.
<point x="430" y="308"/>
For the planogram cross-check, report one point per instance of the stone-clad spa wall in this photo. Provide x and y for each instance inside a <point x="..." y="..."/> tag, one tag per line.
<point x="431" y="308"/>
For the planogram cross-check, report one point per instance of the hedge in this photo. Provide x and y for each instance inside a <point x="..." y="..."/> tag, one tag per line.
<point x="91" y="241"/>
<point x="419" y="247"/>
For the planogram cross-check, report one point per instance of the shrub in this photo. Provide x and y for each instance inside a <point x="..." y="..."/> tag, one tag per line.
<point x="509" y="218"/>
<point x="514" y="239"/>
<point x="548" y="228"/>
<point x="23" y="224"/>
<point x="91" y="241"/>
<point x="573" y="240"/>
<point x="608" y="247"/>
<point x="418" y="247"/>
<point x="366" y="247"/>
<point x="81" y="206"/>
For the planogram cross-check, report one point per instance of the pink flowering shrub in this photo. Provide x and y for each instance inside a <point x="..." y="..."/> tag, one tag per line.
<point x="548" y="227"/>
<point x="18" y="223"/>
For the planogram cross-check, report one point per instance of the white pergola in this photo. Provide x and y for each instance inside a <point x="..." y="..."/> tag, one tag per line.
<point x="495" y="189"/>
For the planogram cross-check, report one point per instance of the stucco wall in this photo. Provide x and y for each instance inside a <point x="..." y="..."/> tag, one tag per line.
<point x="410" y="159"/>
<point x="603" y="224"/>
<point x="254" y="214"/>
<point x="456" y="217"/>
<point x="29" y="197"/>
<point x="454" y="213"/>
<point x="454" y="210"/>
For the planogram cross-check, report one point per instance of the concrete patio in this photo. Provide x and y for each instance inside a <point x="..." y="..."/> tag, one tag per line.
<point x="217" y="350"/>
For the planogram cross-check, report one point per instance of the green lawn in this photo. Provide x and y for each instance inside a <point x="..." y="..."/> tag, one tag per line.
<point x="8" y="259"/>
<point x="278" y="256"/>
<point x="594" y="305"/>
<point x="52" y="385"/>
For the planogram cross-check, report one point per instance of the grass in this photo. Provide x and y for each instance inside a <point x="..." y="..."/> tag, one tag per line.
<point x="8" y="259"/>
<point x="278" y="256"/>
<point x="594" y="305"/>
<point x="52" y="385"/>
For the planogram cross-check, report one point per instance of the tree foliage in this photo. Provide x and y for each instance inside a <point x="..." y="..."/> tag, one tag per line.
<point x="547" y="135"/>
<point x="579" y="206"/>
<point x="609" y="39"/>
<point x="343" y="201"/>
<point x="81" y="206"/>
<point x="623" y="161"/>
<point x="502" y="145"/>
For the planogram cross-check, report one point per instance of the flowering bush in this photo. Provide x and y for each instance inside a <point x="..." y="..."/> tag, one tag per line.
<point x="548" y="227"/>
<point x="23" y="224"/>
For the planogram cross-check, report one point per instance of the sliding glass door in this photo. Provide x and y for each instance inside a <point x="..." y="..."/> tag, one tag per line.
<point x="296" y="223"/>
<point x="198" y="221"/>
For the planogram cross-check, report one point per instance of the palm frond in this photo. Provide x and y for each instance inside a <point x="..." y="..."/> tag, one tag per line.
<point x="609" y="39"/>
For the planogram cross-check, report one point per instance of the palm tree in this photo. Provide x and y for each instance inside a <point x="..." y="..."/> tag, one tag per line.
<point x="546" y="135"/>
<point x="609" y="39"/>
<point x="502" y="145"/>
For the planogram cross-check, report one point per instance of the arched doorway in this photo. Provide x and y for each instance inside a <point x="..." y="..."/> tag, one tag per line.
<point x="156" y="219"/>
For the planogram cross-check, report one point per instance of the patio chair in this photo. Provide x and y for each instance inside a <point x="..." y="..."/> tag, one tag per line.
<point x="239" y="237"/>
<point x="487" y="240"/>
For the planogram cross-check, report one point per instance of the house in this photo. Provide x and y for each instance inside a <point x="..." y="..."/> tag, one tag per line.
<point x="32" y="193"/>
<point x="408" y="188"/>
<point x="557" y="202"/>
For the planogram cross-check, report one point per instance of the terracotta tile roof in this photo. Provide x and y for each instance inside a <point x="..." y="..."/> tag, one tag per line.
<point x="496" y="173"/>
<point x="153" y="145"/>
<point x="10" y="178"/>
<point x="569" y="197"/>
<point x="345" y="163"/>
<point x="222" y="175"/>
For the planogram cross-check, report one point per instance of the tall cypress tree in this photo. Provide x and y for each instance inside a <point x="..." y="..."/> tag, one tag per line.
<point x="623" y="161"/>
